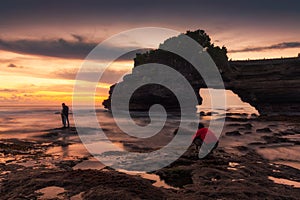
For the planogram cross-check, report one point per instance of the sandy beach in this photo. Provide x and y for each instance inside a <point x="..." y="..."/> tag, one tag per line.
<point x="257" y="158"/>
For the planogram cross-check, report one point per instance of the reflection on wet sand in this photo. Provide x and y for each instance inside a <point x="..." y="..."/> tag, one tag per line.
<point x="285" y="182"/>
<point x="155" y="178"/>
<point x="51" y="192"/>
<point x="68" y="151"/>
<point x="91" y="163"/>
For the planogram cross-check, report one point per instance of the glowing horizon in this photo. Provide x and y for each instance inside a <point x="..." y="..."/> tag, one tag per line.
<point x="30" y="79"/>
<point x="42" y="49"/>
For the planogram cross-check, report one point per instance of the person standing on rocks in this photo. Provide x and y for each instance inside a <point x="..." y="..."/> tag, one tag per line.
<point x="205" y="140"/>
<point x="65" y="115"/>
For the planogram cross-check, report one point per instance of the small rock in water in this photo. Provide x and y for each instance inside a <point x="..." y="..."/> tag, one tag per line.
<point x="211" y="113"/>
<point x="202" y="113"/>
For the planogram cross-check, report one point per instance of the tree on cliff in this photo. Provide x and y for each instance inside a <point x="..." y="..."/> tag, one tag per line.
<point x="218" y="54"/>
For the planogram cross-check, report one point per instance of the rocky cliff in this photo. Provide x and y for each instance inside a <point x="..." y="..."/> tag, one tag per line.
<point x="271" y="86"/>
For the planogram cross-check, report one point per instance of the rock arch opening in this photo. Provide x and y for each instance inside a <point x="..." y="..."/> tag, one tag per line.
<point x="234" y="104"/>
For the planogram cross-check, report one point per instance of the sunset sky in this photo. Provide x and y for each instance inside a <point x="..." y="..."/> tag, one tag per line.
<point x="43" y="43"/>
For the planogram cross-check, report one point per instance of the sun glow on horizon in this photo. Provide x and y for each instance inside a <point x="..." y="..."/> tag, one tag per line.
<point x="29" y="79"/>
<point x="35" y="79"/>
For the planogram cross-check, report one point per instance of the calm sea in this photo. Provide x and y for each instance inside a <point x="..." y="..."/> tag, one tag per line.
<point x="29" y="122"/>
<point x="25" y="121"/>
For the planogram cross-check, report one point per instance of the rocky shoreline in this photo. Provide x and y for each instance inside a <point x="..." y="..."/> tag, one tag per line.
<point x="237" y="168"/>
<point x="218" y="177"/>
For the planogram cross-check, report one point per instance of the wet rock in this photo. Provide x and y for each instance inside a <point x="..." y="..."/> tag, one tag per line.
<point x="233" y="133"/>
<point x="263" y="130"/>
<point x="274" y="139"/>
<point x="290" y="132"/>
<point x="15" y="147"/>
<point x="246" y="126"/>
<point x="242" y="148"/>
<point x="51" y="135"/>
<point x="296" y="130"/>
<point x="220" y="176"/>
<point x="67" y="164"/>
<point x="284" y="133"/>
<point x="211" y="113"/>
<point x="234" y="119"/>
<point x="273" y="125"/>
<point x="257" y="143"/>
<point x="175" y="131"/>
<point x="237" y="114"/>
<point x="93" y="184"/>
<point x="202" y="113"/>
<point x="234" y="125"/>
<point x="176" y="177"/>
<point x="289" y="118"/>
<point x="254" y="115"/>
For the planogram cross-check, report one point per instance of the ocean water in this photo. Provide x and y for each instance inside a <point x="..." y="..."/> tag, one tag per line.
<point x="31" y="122"/>
<point x="27" y="121"/>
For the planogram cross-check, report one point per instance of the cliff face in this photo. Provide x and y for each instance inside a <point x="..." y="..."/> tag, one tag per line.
<point x="271" y="86"/>
<point x="144" y="97"/>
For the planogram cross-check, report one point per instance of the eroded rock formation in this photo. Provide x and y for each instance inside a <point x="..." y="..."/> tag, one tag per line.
<point x="271" y="86"/>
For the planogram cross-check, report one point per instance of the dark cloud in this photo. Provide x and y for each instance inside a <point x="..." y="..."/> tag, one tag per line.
<point x="11" y="65"/>
<point x="54" y="48"/>
<point x="92" y="12"/>
<point x="106" y="17"/>
<point x="284" y="45"/>
<point x="79" y="38"/>
<point x="125" y="9"/>
<point x="109" y="76"/>
<point x="62" y="48"/>
<point x="8" y="90"/>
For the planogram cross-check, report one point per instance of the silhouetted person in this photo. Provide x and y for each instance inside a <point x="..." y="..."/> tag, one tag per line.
<point x="205" y="140"/>
<point x="65" y="115"/>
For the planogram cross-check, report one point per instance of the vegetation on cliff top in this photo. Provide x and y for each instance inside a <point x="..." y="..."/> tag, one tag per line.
<point x="218" y="54"/>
